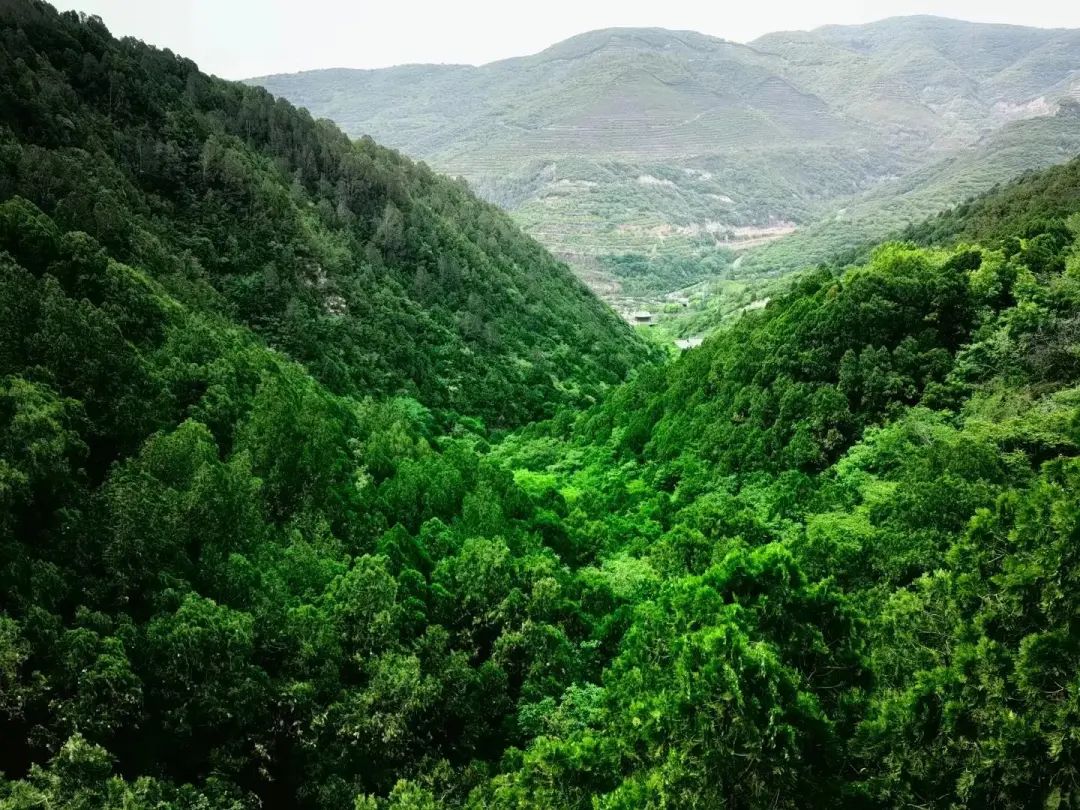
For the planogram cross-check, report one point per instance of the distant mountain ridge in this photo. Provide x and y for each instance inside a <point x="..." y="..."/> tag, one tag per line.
<point x="684" y="149"/>
<point x="630" y="92"/>
<point x="975" y="76"/>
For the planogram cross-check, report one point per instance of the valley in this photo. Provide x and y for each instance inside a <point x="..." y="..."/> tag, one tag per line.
<point x="325" y="485"/>
<point x="651" y="159"/>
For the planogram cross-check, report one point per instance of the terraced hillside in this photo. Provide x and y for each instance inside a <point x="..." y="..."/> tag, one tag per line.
<point x="847" y="224"/>
<point x="950" y="79"/>
<point x="634" y="94"/>
<point x="674" y="151"/>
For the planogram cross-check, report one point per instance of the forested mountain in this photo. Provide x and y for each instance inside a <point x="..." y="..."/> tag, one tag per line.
<point x="377" y="274"/>
<point x="827" y="559"/>
<point x="653" y="158"/>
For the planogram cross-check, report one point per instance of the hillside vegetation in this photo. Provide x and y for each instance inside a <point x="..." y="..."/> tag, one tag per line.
<point x="1027" y="202"/>
<point x="826" y="559"/>
<point x="377" y="274"/>
<point x="652" y="159"/>
<point x="1017" y="148"/>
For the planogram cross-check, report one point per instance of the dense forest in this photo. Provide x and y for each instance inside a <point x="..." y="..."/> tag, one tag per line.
<point x="380" y="276"/>
<point x="305" y="500"/>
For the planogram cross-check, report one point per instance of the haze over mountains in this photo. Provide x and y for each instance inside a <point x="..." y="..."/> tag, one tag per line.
<point x="673" y="145"/>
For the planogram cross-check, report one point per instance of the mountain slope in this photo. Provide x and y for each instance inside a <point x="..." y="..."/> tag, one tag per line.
<point x="625" y="148"/>
<point x="1028" y="204"/>
<point x="623" y="94"/>
<point x="210" y="593"/>
<point x="616" y="141"/>
<point x="379" y="275"/>
<point x="1018" y="147"/>
<point x="953" y="80"/>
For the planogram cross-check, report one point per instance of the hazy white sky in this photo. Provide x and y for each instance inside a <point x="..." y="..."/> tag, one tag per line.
<point x="241" y="38"/>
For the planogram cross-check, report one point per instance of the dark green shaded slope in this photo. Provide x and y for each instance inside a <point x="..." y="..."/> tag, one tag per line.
<point x="374" y="272"/>
<point x="222" y="581"/>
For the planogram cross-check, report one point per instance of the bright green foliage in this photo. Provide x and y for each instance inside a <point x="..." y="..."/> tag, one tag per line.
<point x="901" y="435"/>
<point x="829" y="558"/>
